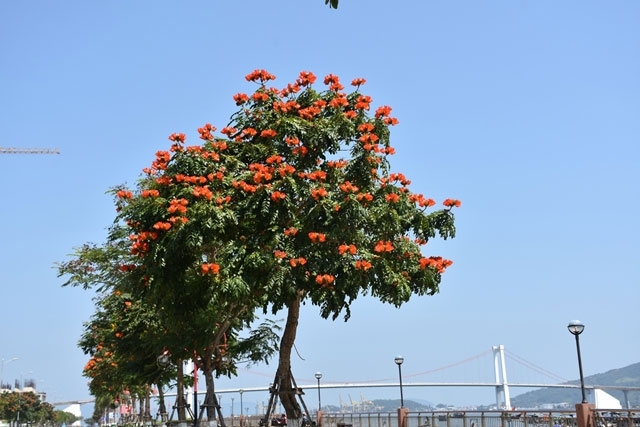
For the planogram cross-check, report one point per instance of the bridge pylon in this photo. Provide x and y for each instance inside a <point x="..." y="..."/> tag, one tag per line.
<point x="503" y="400"/>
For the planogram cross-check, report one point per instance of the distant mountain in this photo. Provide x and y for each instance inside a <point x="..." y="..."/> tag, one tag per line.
<point x="628" y="376"/>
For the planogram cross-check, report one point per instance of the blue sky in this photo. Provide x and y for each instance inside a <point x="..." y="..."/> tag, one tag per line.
<point x="527" y="111"/>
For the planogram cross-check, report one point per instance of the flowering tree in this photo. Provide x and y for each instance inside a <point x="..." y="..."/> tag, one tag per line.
<point x="294" y="200"/>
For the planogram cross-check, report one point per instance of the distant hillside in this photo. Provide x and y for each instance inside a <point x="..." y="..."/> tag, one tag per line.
<point x="628" y="376"/>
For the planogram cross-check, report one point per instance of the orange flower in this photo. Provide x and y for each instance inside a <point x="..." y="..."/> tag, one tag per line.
<point x="306" y="78"/>
<point x="318" y="193"/>
<point x="324" y="279"/>
<point x="383" y="246"/>
<point x="383" y="111"/>
<point x="392" y="198"/>
<point x="240" y="98"/>
<point x="162" y="226"/>
<point x="277" y="196"/>
<point x="362" y="103"/>
<point x="317" y="237"/>
<point x="294" y="262"/>
<point x="268" y="133"/>
<point x="291" y="231"/>
<point x="124" y="194"/>
<point x="348" y="187"/>
<point x="452" y="202"/>
<point x="344" y="248"/>
<point x="279" y="254"/>
<point x="210" y="268"/>
<point x="259" y="75"/>
<point x="439" y="263"/>
<point x="260" y="96"/>
<point x="358" y="81"/>
<point x="150" y="193"/>
<point x="363" y="265"/>
<point x="177" y="137"/>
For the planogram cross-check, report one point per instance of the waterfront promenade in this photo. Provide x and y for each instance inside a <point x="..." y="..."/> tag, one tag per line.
<point x="533" y="418"/>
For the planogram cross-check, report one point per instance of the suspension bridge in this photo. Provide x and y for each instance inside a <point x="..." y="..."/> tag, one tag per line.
<point x="441" y="377"/>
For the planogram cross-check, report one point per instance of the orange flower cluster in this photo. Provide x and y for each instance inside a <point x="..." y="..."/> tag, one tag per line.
<point x="310" y="112"/>
<point x="362" y="265"/>
<point x="285" y="107"/>
<point x="190" y="179"/>
<point x="421" y="201"/>
<point x="315" y="175"/>
<point x="358" y="81"/>
<point x="150" y="193"/>
<point x="262" y="173"/>
<point x="318" y="193"/>
<point x="285" y="170"/>
<point x="325" y="279"/>
<point x="291" y="231"/>
<point x="383" y="246"/>
<point x="344" y="248"/>
<point x="294" y="262"/>
<point x="178" y="205"/>
<point x="333" y="82"/>
<point x="437" y="262"/>
<point x="363" y="102"/>
<point x="240" y="98"/>
<point x="259" y="75"/>
<point x="317" y="237"/>
<point x="164" y="226"/>
<point x="392" y="198"/>
<point x="248" y="188"/>
<point x="348" y="187"/>
<point x="177" y="137"/>
<point x="206" y="131"/>
<point x="260" y="96"/>
<point x="339" y="101"/>
<point x="203" y="192"/>
<point x="279" y="254"/>
<point x="400" y="178"/>
<point x="338" y="164"/>
<point x="124" y="194"/>
<point x="210" y="268"/>
<point x="268" y="133"/>
<point x="160" y="163"/>
<point x="367" y="197"/>
<point x="140" y="244"/>
<point x="274" y="159"/>
<point x="127" y="267"/>
<point x="452" y="203"/>
<point x="306" y="78"/>
<point x="276" y="196"/>
<point x="221" y="200"/>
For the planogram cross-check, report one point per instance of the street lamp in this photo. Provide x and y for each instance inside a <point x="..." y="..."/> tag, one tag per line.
<point x="399" y="360"/>
<point x="576" y="327"/>
<point x="318" y="376"/>
<point x="2" y="368"/>
<point x="241" y="413"/>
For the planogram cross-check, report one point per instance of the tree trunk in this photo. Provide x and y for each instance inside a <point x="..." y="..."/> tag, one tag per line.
<point x="162" y="406"/>
<point x="286" y="392"/>
<point x="181" y="402"/>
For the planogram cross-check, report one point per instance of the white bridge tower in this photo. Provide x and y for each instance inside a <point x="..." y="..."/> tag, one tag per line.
<point x="503" y="400"/>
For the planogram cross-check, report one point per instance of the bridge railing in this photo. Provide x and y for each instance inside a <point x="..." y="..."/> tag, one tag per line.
<point x="555" y="418"/>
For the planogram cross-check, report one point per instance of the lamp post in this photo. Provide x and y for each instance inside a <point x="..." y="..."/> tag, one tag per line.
<point x="241" y="413"/>
<point x="576" y="327"/>
<point x="232" y="409"/>
<point x="318" y="376"/>
<point x="399" y="360"/>
<point x="2" y="368"/>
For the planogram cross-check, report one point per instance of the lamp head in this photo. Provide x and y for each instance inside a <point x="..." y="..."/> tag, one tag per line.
<point x="318" y="375"/>
<point x="399" y="360"/>
<point x="575" y="327"/>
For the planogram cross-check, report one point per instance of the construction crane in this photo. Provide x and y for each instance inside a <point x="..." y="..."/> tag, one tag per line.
<point x="14" y="150"/>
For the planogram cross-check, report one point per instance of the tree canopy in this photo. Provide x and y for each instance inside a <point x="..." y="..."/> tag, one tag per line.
<point x="293" y="200"/>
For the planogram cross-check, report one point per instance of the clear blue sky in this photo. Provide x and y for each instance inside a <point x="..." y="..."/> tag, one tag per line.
<point x="528" y="111"/>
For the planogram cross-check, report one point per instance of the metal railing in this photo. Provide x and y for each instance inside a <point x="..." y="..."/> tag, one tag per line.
<point x="555" y="418"/>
